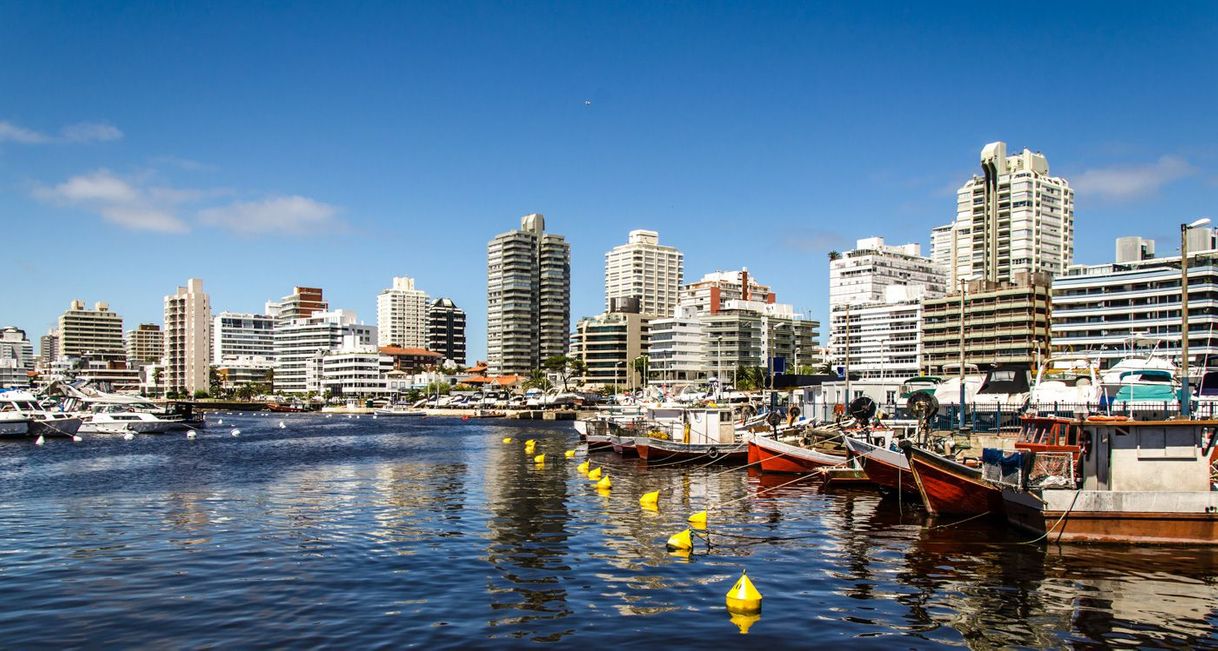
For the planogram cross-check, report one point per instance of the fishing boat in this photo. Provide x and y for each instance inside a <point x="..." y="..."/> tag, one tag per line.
<point x="775" y="455"/>
<point x="1138" y="482"/>
<point x="22" y="415"/>
<point x="949" y="487"/>
<point x="884" y="463"/>
<point x="703" y="433"/>
<point x="285" y="408"/>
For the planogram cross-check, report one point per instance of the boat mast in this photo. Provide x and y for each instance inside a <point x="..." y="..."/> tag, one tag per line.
<point x="963" y="287"/>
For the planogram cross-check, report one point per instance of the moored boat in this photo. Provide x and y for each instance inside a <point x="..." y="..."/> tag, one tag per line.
<point x="948" y="487"/>
<point x="653" y="449"/>
<point x="884" y="466"/>
<point x="777" y="456"/>
<point x="22" y="415"/>
<point x="1137" y="482"/>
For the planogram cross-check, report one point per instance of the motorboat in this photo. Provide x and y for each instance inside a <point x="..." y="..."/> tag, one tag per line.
<point x="1144" y="380"/>
<point x="119" y="419"/>
<point x="22" y="415"/>
<point x="87" y="400"/>
<point x="1066" y="383"/>
<point x="947" y="391"/>
<point x="1006" y="386"/>
<point x="392" y="411"/>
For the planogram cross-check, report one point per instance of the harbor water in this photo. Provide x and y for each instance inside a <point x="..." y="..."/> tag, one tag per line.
<point x="433" y="532"/>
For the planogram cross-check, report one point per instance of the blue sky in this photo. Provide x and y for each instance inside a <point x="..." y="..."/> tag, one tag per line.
<point x="339" y="145"/>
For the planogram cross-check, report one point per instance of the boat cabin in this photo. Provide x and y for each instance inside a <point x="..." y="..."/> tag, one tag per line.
<point x="1049" y="434"/>
<point x="1146" y="385"/>
<point x="1167" y="456"/>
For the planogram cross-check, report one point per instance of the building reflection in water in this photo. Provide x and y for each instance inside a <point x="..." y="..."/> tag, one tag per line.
<point x="527" y="518"/>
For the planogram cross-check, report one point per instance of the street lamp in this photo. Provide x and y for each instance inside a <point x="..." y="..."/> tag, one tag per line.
<point x="617" y="364"/>
<point x="1186" y="397"/>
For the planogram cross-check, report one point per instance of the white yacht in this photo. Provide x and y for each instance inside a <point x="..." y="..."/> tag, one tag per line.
<point x="22" y="415"/>
<point x="947" y="391"/>
<point x="1066" y="382"/>
<point x="1144" y="379"/>
<point x="121" y="419"/>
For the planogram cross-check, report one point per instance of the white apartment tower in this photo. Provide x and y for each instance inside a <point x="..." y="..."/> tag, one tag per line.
<point x="875" y="307"/>
<point x="528" y="296"/>
<point x="1013" y="217"/>
<point x="643" y="268"/>
<point x="401" y="315"/>
<point x="302" y="343"/>
<point x="187" y="336"/>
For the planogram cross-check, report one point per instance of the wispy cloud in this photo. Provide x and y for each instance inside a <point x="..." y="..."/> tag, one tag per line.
<point x="1131" y="181"/>
<point x="293" y="215"/>
<point x="141" y="202"/>
<point x="82" y="132"/>
<point x="118" y="201"/>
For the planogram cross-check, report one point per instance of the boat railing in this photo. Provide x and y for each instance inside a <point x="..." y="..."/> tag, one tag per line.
<point x="1006" y="417"/>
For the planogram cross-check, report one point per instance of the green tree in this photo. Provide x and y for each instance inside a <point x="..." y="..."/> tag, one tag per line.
<point x="201" y="393"/>
<point x="537" y="380"/>
<point x="578" y="367"/>
<point x="750" y="378"/>
<point x="559" y="364"/>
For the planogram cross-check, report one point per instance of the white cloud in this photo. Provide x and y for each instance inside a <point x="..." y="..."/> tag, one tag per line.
<point x="81" y="132"/>
<point x="294" y="214"/>
<point x="118" y="201"/>
<point x="10" y="132"/>
<point x="1127" y="182"/>
<point x="90" y="132"/>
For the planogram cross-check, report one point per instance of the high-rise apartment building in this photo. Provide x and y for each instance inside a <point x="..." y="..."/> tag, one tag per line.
<point x="302" y="343"/>
<point x="446" y="330"/>
<point x="302" y="303"/>
<point x="16" y="357"/>
<point x="401" y="315"/>
<point x="145" y="345"/>
<point x="97" y="333"/>
<point x="242" y="335"/>
<point x="643" y="268"/>
<point x="48" y="348"/>
<point x="1134" y="249"/>
<point x="528" y="297"/>
<point x="1012" y="218"/>
<point x="187" y="339"/>
<point x="1004" y="323"/>
<point x="875" y="305"/>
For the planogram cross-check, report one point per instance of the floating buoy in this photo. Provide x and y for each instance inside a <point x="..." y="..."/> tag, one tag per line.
<point x="683" y="541"/>
<point x="236" y="432"/>
<point x="698" y="520"/>
<point x="281" y="425"/>
<point x="570" y="454"/>
<point x="373" y="416"/>
<point x="594" y="474"/>
<point x="530" y="443"/>
<point x="220" y="422"/>
<point x="128" y="436"/>
<point x="604" y="483"/>
<point x="541" y="458"/>
<point x="649" y="499"/>
<point x="348" y="416"/>
<point x="743" y="598"/>
<point x="507" y="439"/>
<point x="190" y="434"/>
<point x="583" y="467"/>
<point x="40" y="440"/>
<point x="76" y="438"/>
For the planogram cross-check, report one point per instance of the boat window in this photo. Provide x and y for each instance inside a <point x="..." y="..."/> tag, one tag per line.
<point x="1072" y="435"/>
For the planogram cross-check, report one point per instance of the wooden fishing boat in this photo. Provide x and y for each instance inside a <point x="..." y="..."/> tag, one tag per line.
<point x="951" y="488"/>
<point x="776" y="456"/>
<point x="624" y="443"/>
<point x="884" y="466"/>
<point x="1137" y="482"/>
<point x="652" y="449"/>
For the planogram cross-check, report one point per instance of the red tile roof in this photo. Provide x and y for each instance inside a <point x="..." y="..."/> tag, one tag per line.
<point x="397" y="351"/>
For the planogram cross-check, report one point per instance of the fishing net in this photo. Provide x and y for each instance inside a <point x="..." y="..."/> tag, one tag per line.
<point x="1001" y="467"/>
<point x="1052" y="470"/>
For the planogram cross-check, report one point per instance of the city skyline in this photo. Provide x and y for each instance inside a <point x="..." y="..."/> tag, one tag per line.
<point x="771" y="176"/>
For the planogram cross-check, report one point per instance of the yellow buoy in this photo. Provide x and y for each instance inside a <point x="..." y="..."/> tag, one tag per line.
<point x="594" y="474"/>
<point x="744" y="622"/>
<point x="604" y="492"/>
<point x="604" y="482"/>
<point x="650" y="508"/>
<point x="530" y="443"/>
<point x="583" y="467"/>
<point x="743" y="598"/>
<point x="698" y="519"/>
<point x="680" y="541"/>
<point x="541" y="458"/>
<point x="649" y="499"/>
<point x="570" y="454"/>
<point x="507" y="440"/>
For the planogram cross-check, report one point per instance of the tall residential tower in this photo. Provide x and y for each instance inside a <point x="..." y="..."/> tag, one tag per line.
<point x="187" y="338"/>
<point x="642" y="268"/>
<point x="401" y="315"/>
<point x="528" y="296"/>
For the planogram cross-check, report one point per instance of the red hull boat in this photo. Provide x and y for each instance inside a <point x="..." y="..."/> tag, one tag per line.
<point x="950" y="488"/>
<point x="886" y="468"/>
<point x="776" y="456"/>
<point x="624" y="445"/>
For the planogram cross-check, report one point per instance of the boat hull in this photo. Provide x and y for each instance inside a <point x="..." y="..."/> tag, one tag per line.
<point x="650" y="449"/>
<point x="776" y="456"/>
<point x="885" y="468"/>
<point x="949" y="488"/>
<point x="66" y="427"/>
<point x="624" y="445"/>
<point x="1091" y="517"/>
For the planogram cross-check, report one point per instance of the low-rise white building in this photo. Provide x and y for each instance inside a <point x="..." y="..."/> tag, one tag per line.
<point x="355" y="371"/>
